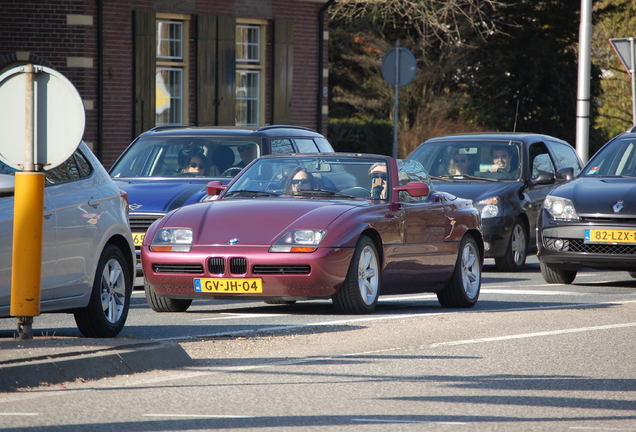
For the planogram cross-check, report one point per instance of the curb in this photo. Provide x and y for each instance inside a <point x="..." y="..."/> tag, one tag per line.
<point x="93" y="364"/>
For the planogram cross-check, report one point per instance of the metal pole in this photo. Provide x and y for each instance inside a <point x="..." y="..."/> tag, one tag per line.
<point x="396" y="99"/>
<point x="29" y="71"/>
<point x="584" y="76"/>
<point x="631" y="73"/>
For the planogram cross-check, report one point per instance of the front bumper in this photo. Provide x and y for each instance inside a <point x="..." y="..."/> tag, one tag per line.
<point x="563" y="245"/>
<point x="285" y="276"/>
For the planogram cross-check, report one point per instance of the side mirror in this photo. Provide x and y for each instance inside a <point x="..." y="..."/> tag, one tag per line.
<point x="415" y="189"/>
<point x="214" y="188"/>
<point x="544" y="178"/>
<point x="565" y="174"/>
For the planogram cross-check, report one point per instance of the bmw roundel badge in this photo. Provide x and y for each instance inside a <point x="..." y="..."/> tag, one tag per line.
<point x="233" y="241"/>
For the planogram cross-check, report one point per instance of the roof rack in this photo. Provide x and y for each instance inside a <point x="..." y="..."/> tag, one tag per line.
<point x="270" y="127"/>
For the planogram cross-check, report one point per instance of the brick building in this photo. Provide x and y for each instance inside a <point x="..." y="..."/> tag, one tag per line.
<point x="142" y="63"/>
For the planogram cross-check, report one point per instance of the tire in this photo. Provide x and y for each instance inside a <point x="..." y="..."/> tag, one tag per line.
<point x="361" y="287"/>
<point x="165" y="304"/>
<point x="107" y="309"/>
<point x="280" y="302"/>
<point x="465" y="283"/>
<point x="553" y="275"/>
<point x="515" y="257"/>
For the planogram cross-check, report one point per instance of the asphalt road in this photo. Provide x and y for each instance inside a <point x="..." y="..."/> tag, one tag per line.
<point x="528" y="357"/>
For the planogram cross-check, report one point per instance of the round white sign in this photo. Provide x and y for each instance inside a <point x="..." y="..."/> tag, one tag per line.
<point x="58" y="117"/>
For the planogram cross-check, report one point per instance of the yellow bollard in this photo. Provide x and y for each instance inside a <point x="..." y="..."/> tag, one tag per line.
<point x="26" y="277"/>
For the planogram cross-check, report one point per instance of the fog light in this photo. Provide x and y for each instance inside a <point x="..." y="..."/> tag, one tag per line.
<point x="486" y="246"/>
<point x="558" y="244"/>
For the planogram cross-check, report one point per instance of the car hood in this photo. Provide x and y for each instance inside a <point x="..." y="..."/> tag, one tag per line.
<point x="596" y="196"/>
<point x="477" y="190"/>
<point x="255" y="222"/>
<point x="161" y="195"/>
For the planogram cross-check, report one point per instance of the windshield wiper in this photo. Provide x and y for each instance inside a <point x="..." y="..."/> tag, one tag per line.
<point x="256" y="193"/>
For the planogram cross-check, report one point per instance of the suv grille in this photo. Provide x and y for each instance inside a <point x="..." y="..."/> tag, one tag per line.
<point x="140" y="223"/>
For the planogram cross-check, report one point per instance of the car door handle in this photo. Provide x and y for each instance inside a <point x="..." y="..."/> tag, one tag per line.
<point x="93" y="202"/>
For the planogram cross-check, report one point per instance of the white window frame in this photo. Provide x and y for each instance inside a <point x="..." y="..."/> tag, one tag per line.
<point x="253" y="66"/>
<point x="174" y="63"/>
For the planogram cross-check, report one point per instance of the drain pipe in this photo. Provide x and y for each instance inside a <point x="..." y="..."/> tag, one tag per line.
<point x="321" y="63"/>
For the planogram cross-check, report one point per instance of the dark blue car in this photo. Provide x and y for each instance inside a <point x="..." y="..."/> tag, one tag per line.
<point x="168" y="167"/>
<point x="507" y="175"/>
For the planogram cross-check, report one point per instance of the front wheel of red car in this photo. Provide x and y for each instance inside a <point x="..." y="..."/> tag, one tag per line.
<point x="465" y="284"/>
<point x="165" y="304"/>
<point x="359" y="292"/>
<point x="107" y="309"/>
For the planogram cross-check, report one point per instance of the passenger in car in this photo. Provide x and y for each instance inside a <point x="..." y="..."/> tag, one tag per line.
<point x="247" y="153"/>
<point x="460" y="164"/>
<point x="299" y="179"/>
<point x="196" y="165"/>
<point x="378" y="176"/>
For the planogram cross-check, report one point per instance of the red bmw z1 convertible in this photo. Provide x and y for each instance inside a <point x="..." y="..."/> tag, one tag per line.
<point x="345" y="227"/>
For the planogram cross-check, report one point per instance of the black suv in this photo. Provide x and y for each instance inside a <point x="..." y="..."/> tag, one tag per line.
<point x="169" y="166"/>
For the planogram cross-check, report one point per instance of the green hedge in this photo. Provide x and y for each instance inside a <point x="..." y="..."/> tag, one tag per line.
<point x="361" y="135"/>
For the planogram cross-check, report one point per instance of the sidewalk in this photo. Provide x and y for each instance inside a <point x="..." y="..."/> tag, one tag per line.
<point x="53" y="360"/>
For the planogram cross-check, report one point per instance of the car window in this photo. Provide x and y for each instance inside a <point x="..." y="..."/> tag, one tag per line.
<point x="565" y="156"/>
<point x="305" y="145"/>
<point x="74" y="168"/>
<point x="324" y="146"/>
<point x="281" y="146"/>
<point x="539" y="160"/>
<point x="412" y="171"/>
<point x="186" y="156"/>
<point x="476" y="158"/>
<point x="618" y="158"/>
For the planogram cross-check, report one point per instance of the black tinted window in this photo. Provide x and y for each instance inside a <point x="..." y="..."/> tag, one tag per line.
<point x="566" y="156"/>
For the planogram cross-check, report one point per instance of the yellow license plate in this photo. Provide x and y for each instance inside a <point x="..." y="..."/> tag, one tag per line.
<point x="138" y="238"/>
<point x="228" y="286"/>
<point x="610" y="236"/>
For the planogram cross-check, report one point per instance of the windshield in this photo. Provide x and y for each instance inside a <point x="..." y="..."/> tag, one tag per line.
<point x="186" y="156"/>
<point x="617" y="159"/>
<point x="326" y="176"/>
<point x="483" y="159"/>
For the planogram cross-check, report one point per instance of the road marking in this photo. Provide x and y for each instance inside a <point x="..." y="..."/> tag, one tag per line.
<point x="518" y="292"/>
<point x="18" y="414"/>
<point x="531" y="335"/>
<point x="199" y="416"/>
<point x="239" y="315"/>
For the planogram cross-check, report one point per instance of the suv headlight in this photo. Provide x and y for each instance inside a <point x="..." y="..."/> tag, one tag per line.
<point x="488" y="207"/>
<point x="560" y="208"/>
<point x="172" y="240"/>
<point x="299" y="241"/>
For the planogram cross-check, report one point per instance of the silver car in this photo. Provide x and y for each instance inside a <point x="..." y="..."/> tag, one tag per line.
<point x="87" y="252"/>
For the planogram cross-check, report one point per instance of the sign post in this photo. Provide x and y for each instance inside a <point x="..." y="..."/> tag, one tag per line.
<point x="625" y="50"/>
<point x="398" y="69"/>
<point x="42" y="110"/>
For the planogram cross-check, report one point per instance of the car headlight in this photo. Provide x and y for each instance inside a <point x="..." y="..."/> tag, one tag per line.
<point x="560" y="208"/>
<point x="299" y="241"/>
<point x="172" y="240"/>
<point x="489" y="207"/>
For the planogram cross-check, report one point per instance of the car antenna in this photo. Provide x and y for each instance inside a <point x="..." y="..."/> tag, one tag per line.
<point x="514" y="128"/>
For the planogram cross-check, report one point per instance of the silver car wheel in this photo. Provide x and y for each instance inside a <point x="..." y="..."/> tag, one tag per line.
<point x="113" y="290"/>
<point x="518" y="245"/>
<point x="368" y="276"/>
<point x="471" y="270"/>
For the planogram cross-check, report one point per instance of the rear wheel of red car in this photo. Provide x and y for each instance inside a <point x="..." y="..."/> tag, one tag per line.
<point x="359" y="292"/>
<point x="554" y="275"/>
<point x="515" y="258"/>
<point x="465" y="284"/>
<point x="165" y="304"/>
<point x="107" y="309"/>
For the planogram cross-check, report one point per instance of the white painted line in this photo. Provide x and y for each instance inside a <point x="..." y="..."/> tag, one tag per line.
<point x="519" y="292"/>
<point x="405" y="421"/>
<point x="531" y="335"/>
<point x="197" y="416"/>
<point x="243" y="315"/>
<point x="18" y="414"/>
